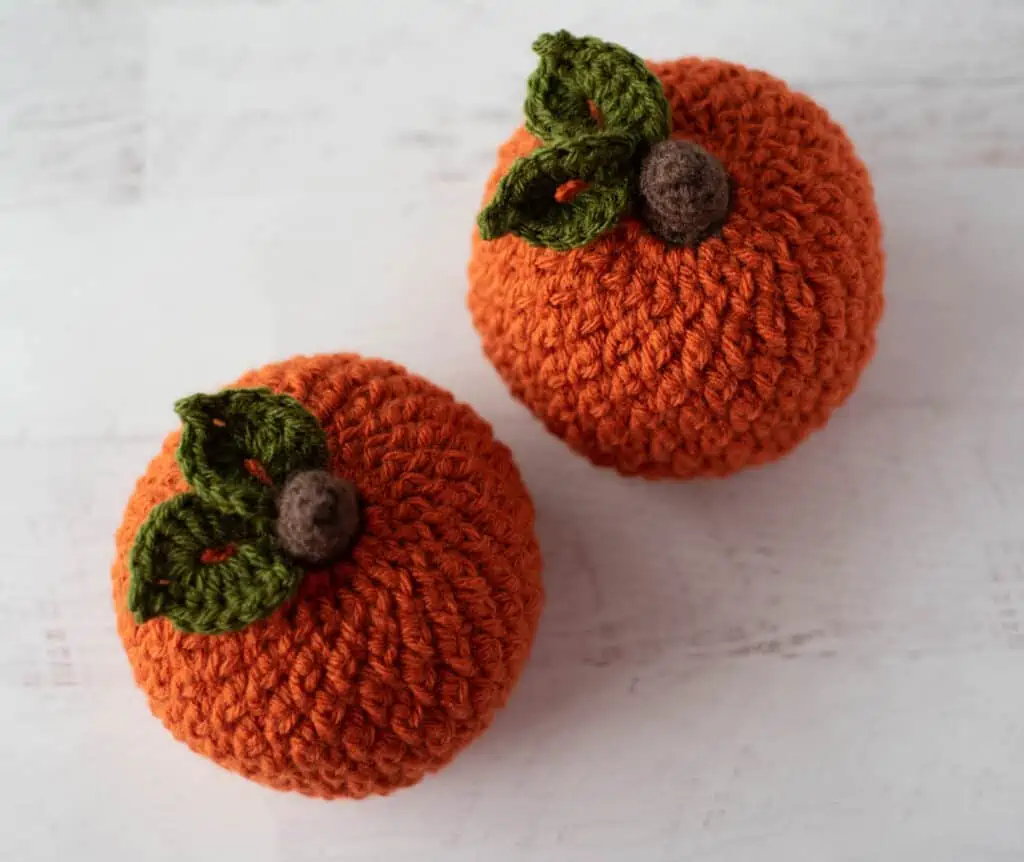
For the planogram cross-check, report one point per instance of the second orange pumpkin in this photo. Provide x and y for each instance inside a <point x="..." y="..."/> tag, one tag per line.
<point x="668" y="360"/>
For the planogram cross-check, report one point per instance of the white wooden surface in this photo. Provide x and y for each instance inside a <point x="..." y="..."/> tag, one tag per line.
<point x="821" y="660"/>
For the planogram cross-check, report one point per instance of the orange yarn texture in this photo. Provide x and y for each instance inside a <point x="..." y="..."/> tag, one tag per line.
<point x="669" y="361"/>
<point x="387" y="663"/>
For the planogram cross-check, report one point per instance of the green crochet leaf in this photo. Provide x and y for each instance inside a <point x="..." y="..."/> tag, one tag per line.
<point x="525" y="204"/>
<point x="575" y="72"/>
<point x="208" y="572"/>
<point x="233" y="442"/>
<point x="603" y="151"/>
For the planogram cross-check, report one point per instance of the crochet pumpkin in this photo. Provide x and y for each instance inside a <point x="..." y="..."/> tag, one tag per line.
<point x="679" y="265"/>
<point x="328" y="581"/>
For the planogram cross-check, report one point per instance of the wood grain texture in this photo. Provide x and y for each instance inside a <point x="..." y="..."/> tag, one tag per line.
<point x="817" y="660"/>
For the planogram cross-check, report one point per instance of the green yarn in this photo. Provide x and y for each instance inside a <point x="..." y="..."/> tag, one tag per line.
<point x="574" y="72"/>
<point x="524" y="202"/>
<point x="170" y="577"/>
<point x="221" y="432"/>
<point x="209" y="559"/>
<point x="603" y="151"/>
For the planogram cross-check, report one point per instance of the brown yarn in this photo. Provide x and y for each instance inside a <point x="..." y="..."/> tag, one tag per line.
<point x="685" y="191"/>
<point x="318" y="516"/>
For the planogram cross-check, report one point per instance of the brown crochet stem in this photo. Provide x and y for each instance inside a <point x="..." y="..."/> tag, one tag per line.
<point x="318" y="516"/>
<point x="684" y="191"/>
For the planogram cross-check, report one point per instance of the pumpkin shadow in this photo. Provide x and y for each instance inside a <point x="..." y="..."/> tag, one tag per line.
<point x="651" y="582"/>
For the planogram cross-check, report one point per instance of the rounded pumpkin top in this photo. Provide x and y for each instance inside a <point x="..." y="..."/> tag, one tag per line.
<point x="383" y="664"/>
<point x="678" y="360"/>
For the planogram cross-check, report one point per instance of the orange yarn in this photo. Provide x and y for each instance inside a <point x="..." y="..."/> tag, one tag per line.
<point x="388" y="663"/>
<point x="666" y="361"/>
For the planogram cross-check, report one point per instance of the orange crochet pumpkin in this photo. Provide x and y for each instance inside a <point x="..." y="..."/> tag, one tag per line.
<point x="334" y="668"/>
<point x="679" y="268"/>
